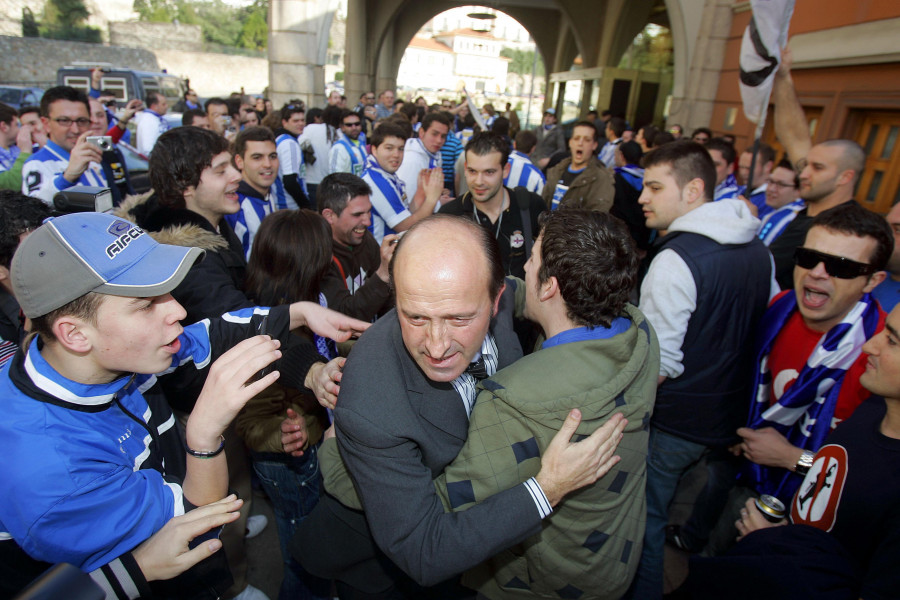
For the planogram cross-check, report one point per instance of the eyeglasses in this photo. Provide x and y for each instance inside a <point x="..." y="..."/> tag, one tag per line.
<point x="67" y="122"/>
<point x="836" y="266"/>
<point x="370" y="97"/>
<point x="354" y="124"/>
<point x="780" y="184"/>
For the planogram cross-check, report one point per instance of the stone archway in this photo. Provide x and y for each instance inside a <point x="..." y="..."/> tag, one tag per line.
<point x="597" y="30"/>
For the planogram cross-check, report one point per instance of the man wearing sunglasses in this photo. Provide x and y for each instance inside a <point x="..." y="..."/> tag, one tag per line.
<point x="348" y="154"/>
<point x="809" y="360"/>
<point x="67" y="159"/>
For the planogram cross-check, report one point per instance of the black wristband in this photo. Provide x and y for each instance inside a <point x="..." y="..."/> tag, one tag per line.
<point x="206" y="453"/>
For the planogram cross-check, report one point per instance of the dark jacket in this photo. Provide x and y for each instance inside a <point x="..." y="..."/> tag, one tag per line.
<point x="593" y="189"/>
<point x="351" y="285"/>
<point x="214" y="286"/>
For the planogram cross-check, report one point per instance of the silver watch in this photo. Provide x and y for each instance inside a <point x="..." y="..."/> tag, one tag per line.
<point x="804" y="463"/>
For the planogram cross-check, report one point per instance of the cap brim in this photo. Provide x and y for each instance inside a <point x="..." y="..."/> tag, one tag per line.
<point x="158" y="272"/>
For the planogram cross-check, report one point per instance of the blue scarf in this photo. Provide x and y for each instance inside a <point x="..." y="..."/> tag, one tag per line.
<point x="726" y="189"/>
<point x="389" y="184"/>
<point x="633" y="176"/>
<point x="805" y="411"/>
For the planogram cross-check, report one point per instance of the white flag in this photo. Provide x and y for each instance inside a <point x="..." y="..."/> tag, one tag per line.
<point x="761" y="54"/>
<point x="473" y="110"/>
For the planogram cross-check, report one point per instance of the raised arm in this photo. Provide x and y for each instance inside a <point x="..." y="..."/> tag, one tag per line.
<point x="791" y="127"/>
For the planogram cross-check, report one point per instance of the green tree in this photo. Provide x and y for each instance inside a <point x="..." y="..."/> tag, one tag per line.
<point x="29" y="24"/>
<point x="157" y="11"/>
<point x="64" y="20"/>
<point x="255" y="31"/>
<point x="650" y="50"/>
<point x="221" y="23"/>
<point x="523" y="61"/>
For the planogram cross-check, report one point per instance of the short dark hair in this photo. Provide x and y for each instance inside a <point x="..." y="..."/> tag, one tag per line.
<point x="631" y="152"/>
<point x="766" y="153"/>
<point x="501" y="126"/>
<point x="586" y="124"/>
<point x="313" y="114"/>
<point x="234" y="105"/>
<point x="852" y="219"/>
<point x="251" y="134"/>
<point x="593" y="258"/>
<point x="409" y="111"/>
<point x="212" y="101"/>
<point x="399" y="121"/>
<point x="650" y="132"/>
<point x="485" y="239"/>
<point x="337" y="189"/>
<point x="349" y="113"/>
<point x="725" y="148"/>
<point x="688" y="160"/>
<point x="526" y="140"/>
<point x="385" y="130"/>
<point x="29" y="109"/>
<point x="187" y="118"/>
<point x="705" y="130"/>
<point x="662" y="138"/>
<point x="7" y="114"/>
<point x="62" y="92"/>
<point x="179" y="158"/>
<point x="485" y="142"/>
<point x="18" y="214"/>
<point x="289" y="109"/>
<point x="152" y="98"/>
<point x="618" y="126"/>
<point x="291" y="255"/>
<point x="786" y="164"/>
<point x="435" y="117"/>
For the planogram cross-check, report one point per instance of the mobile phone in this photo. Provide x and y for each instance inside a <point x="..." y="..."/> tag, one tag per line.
<point x="262" y="329"/>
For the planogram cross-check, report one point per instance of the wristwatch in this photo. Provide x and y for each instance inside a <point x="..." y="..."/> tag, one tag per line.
<point x="804" y="463"/>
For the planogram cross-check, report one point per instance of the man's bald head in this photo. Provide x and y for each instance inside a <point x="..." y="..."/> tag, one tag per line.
<point x="447" y="281"/>
<point x="440" y="236"/>
<point x="852" y="157"/>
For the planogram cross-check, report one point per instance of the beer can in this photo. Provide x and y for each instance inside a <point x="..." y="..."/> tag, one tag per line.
<point x="771" y="508"/>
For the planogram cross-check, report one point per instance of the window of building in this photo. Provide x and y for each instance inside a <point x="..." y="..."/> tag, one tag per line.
<point x="879" y="185"/>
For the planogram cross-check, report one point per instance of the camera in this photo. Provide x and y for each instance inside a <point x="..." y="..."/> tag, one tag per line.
<point x="104" y="142"/>
<point x="83" y="198"/>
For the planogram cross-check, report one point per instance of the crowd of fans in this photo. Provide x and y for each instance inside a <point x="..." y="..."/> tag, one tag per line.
<point x="560" y="323"/>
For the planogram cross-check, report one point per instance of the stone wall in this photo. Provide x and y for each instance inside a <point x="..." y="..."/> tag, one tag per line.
<point x="140" y="34"/>
<point x="35" y="60"/>
<point x="216" y="74"/>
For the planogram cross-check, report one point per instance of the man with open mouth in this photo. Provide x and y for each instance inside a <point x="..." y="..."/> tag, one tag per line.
<point x="580" y="181"/>
<point x="809" y="363"/>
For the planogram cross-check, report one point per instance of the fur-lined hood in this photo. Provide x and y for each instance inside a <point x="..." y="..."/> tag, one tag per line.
<point x="177" y="227"/>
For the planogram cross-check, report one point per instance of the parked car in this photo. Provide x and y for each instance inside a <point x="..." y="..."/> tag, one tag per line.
<point x="19" y="96"/>
<point x="122" y="82"/>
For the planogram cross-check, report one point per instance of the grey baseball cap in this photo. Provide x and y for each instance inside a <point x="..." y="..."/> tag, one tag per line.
<point x="69" y="256"/>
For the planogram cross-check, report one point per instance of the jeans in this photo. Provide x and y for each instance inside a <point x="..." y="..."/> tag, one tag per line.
<point x="722" y="469"/>
<point x="292" y="484"/>
<point x="668" y="459"/>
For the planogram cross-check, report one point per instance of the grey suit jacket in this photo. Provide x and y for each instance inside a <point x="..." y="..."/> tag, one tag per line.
<point x="397" y="431"/>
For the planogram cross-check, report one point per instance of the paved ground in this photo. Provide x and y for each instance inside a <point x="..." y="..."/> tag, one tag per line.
<point x="265" y="554"/>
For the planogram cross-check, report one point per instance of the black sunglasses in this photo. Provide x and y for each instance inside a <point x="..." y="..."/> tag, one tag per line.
<point x="836" y="266"/>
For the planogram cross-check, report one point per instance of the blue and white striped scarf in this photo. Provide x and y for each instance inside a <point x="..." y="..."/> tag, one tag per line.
<point x="804" y="413"/>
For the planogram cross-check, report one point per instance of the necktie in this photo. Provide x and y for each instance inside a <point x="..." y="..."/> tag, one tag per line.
<point x="477" y="369"/>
